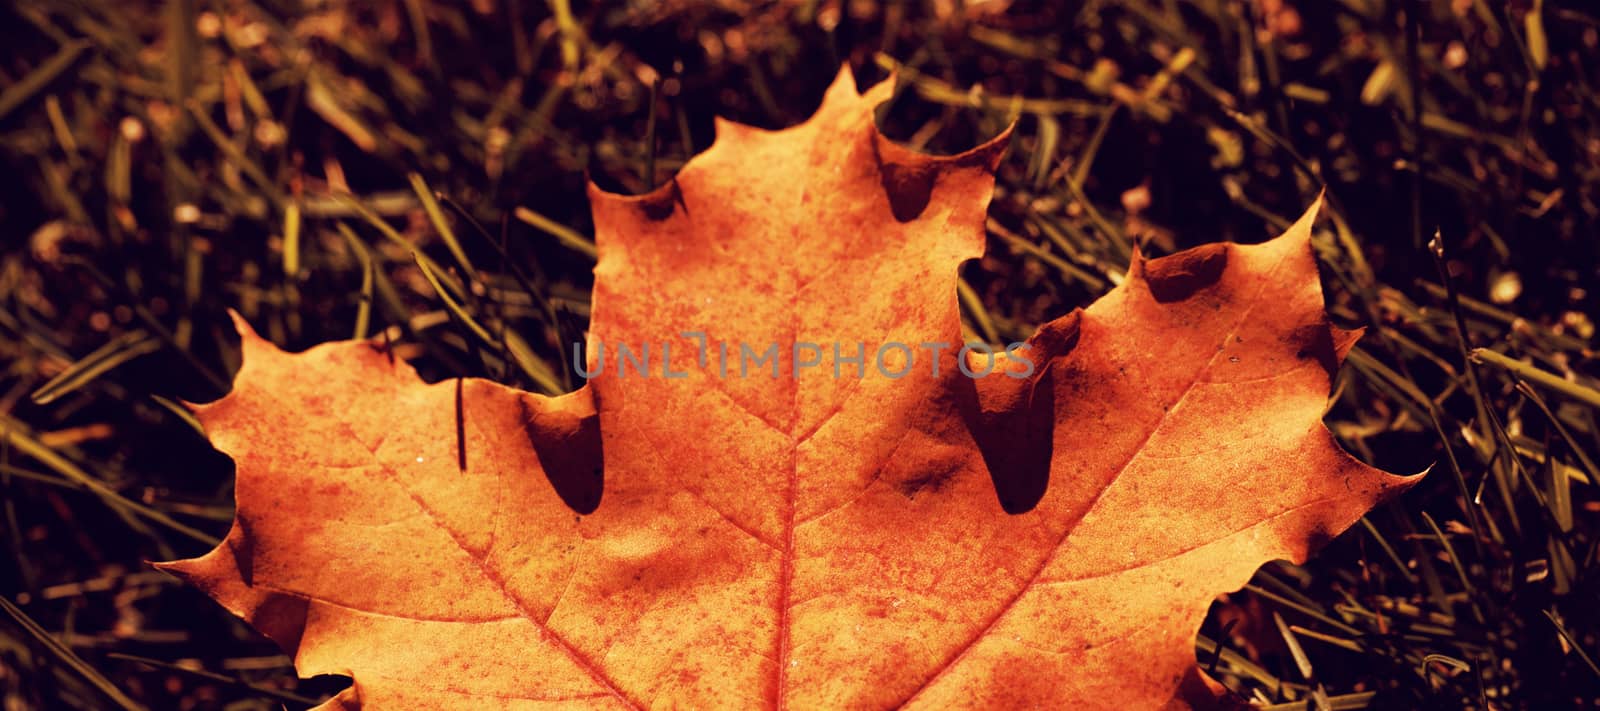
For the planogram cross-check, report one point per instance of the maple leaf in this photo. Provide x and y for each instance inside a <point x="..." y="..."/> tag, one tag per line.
<point x="818" y="539"/>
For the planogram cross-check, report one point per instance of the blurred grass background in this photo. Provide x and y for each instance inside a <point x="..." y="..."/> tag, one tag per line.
<point x="414" y="169"/>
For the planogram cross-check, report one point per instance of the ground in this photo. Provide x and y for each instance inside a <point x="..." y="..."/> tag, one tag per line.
<point x="166" y="162"/>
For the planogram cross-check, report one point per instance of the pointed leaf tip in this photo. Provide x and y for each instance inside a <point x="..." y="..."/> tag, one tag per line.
<point x="846" y="79"/>
<point x="1344" y="340"/>
<point x="242" y="326"/>
<point x="1300" y="230"/>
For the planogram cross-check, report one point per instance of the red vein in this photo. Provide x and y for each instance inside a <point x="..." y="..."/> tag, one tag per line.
<point x="752" y="533"/>
<point x="494" y="579"/>
<point x="522" y="609"/>
<point x="491" y="576"/>
<point x="1033" y="580"/>
<point x="1204" y="544"/>
<point x="786" y="576"/>
<point x="701" y="497"/>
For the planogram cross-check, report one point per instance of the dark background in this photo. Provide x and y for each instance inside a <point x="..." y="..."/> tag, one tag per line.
<point x="151" y="151"/>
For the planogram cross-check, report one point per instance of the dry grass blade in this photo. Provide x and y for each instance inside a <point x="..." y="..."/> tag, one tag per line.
<point x="65" y="656"/>
<point x="29" y="86"/>
<point x="115" y="352"/>
<point x="222" y="678"/>
<point x="1571" y="643"/>
<point x="1552" y="383"/>
<point x="169" y="161"/>
<point x="565" y="235"/>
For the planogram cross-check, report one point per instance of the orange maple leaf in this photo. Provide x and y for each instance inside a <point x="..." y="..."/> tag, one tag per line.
<point x="830" y="537"/>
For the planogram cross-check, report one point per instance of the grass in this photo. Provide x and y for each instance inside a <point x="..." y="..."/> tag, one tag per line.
<point x="415" y="170"/>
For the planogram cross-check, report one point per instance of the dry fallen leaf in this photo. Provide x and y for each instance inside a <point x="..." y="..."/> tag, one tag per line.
<point x="810" y="542"/>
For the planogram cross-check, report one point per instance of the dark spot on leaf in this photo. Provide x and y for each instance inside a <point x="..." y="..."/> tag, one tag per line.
<point x="908" y="188"/>
<point x="1179" y="276"/>
<point x="569" y="451"/>
<point x="1056" y="338"/>
<point x="659" y="204"/>
<point x="1318" y="537"/>
<point x="932" y="482"/>
<point x="1012" y="420"/>
<point x="282" y="618"/>
<point x="243" y="547"/>
<point x="1316" y="341"/>
<point x="909" y="177"/>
